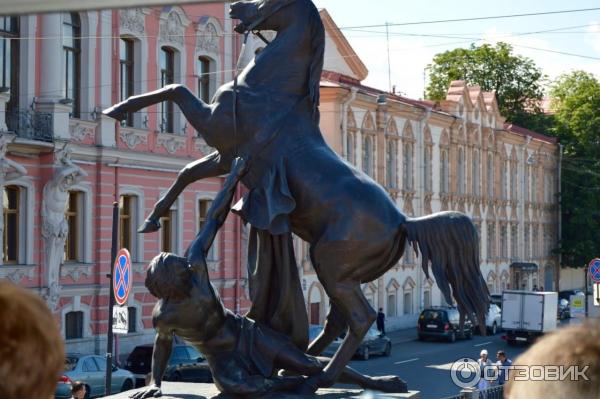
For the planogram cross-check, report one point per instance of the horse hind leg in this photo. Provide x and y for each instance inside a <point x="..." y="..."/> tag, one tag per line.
<point x="359" y="315"/>
<point x="334" y="326"/>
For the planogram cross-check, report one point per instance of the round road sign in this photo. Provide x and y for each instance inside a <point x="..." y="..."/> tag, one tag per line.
<point x="594" y="270"/>
<point x="122" y="276"/>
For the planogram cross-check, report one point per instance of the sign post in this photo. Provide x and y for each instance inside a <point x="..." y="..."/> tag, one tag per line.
<point x="111" y="299"/>
<point x="594" y="275"/>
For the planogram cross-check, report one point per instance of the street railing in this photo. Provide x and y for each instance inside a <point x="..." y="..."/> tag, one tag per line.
<point x="494" y="392"/>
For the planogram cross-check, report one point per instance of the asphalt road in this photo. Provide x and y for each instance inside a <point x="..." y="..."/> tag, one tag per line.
<point x="425" y="366"/>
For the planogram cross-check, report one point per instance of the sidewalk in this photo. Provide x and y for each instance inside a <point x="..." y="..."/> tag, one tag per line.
<point x="403" y="335"/>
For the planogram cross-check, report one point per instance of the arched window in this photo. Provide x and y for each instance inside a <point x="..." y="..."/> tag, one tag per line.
<point x="408" y="305"/>
<point x="9" y="60"/>
<point x="444" y="172"/>
<point x="167" y="76"/>
<point x="368" y="155"/>
<point x="351" y="146"/>
<point x="490" y="176"/>
<point x="12" y="216"/>
<point x="205" y="70"/>
<point x="504" y="180"/>
<point x="74" y="325"/>
<point x="461" y="171"/>
<point x="534" y="185"/>
<point x="427" y="168"/>
<point x="391" y="163"/>
<point x="513" y="180"/>
<point x="407" y="166"/>
<point x="74" y="217"/>
<point x="72" y="56"/>
<point x="475" y="167"/>
<point x="127" y="67"/>
<point x="526" y="185"/>
<point x="391" y="305"/>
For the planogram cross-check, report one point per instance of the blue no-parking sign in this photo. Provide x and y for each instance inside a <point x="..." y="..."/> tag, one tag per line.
<point x="122" y="277"/>
<point x="594" y="270"/>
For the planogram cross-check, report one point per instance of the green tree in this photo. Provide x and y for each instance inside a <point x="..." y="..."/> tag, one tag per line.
<point x="576" y="102"/>
<point x="517" y="81"/>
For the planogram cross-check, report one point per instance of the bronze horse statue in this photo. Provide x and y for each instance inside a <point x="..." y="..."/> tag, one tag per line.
<point x="269" y="116"/>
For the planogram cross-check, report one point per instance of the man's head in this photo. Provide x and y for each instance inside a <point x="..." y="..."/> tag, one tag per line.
<point x="78" y="390"/>
<point x="31" y="347"/>
<point x="570" y="346"/>
<point x="501" y="355"/>
<point x="381" y="309"/>
<point x="483" y="354"/>
<point x="168" y="276"/>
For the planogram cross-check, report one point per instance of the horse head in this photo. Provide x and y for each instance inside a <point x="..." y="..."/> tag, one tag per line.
<point x="259" y="14"/>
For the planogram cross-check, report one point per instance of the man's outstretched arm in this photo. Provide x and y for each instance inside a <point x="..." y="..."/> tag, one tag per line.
<point x="217" y="212"/>
<point x="163" y="344"/>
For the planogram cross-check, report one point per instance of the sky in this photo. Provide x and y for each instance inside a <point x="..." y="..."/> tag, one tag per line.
<point x="412" y="47"/>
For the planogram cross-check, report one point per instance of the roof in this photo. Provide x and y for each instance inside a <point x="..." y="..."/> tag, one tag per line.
<point x="526" y="132"/>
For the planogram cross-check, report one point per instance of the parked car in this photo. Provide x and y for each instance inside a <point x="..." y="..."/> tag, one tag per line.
<point x="493" y="319"/>
<point x="185" y="364"/>
<point x="91" y="370"/>
<point x="442" y="322"/>
<point x="372" y="344"/>
<point x="496" y="299"/>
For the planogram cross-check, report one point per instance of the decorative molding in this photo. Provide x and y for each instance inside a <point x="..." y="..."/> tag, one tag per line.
<point x="208" y="38"/>
<point x="133" y="137"/>
<point x="80" y="130"/>
<point x="132" y="20"/>
<point x="76" y="270"/>
<point x="201" y="146"/>
<point x="16" y="273"/>
<point x="171" y="142"/>
<point x="172" y="26"/>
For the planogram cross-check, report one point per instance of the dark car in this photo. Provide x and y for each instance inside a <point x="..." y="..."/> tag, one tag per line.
<point x="185" y="364"/>
<point x="372" y="344"/>
<point x="442" y="322"/>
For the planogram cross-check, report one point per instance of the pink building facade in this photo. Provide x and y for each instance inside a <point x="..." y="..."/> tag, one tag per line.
<point x="64" y="163"/>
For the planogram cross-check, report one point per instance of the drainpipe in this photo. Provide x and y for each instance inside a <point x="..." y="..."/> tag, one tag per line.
<point x="558" y="266"/>
<point x="351" y="96"/>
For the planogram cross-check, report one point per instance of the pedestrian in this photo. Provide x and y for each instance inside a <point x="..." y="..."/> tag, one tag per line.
<point x="575" y="350"/>
<point x="541" y="288"/>
<point x="535" y="288"/>
<point x="503" y="365"/>
<point x="484" y="364"/>
<point x="381" y="321"/>
<point x="78" y="390"/>
<point x="32" y="353"/>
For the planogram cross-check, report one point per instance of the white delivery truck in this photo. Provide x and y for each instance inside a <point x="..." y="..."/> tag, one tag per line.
<point x="527" y="315"/>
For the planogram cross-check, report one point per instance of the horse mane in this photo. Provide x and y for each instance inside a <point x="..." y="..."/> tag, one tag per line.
<point x="317" y="57"/>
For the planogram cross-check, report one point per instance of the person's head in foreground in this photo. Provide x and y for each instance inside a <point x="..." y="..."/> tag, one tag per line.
<point x="78" y="390"/>
<point x="168" y="276"/>
<point x="483" y="355"/>
<point x="31" y="348"/>
<point x="577" y="346"/>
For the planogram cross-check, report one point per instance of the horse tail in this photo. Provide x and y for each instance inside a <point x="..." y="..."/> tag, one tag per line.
<point x="450" y="243"/>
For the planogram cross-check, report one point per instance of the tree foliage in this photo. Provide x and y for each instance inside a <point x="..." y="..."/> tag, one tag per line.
<point x="517" y="81"/>
<point x="576" y="102"/>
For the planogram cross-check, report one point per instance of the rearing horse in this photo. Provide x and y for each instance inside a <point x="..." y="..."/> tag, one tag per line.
<point x="298" y="184"/>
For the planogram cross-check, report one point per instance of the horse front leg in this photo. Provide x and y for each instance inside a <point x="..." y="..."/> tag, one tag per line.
<point x="211" y="165"/>
<point x="196" y="111"/>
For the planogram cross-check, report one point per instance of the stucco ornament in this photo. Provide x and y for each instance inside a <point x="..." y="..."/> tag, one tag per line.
<point x="132" y="19"/>
<point x="54" y="223"/>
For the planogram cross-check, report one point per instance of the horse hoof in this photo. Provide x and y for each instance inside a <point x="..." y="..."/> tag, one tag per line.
<point x="149" y="226"/>
<point x="115" y="113"/>
<point x="390" y="384"/>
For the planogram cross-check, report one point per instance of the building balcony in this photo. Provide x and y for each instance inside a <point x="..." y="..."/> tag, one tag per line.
<point x="31" y="125"/>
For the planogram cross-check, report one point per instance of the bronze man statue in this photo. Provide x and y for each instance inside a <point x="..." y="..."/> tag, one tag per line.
<point x="243" y="355"/>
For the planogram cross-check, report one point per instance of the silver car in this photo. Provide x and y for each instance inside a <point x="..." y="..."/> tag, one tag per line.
<point x="91" y="370"/>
